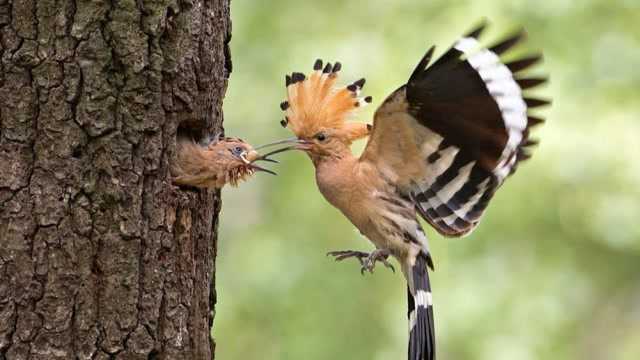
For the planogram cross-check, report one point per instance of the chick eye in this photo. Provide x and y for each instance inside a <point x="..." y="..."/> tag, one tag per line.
<point x="238" y="150"/>
<point x="321" y="136"/>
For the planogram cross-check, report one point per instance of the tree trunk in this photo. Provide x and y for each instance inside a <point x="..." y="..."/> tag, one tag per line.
<point x="100" y="256"/>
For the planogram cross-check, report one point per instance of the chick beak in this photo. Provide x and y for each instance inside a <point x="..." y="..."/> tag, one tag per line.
<point x="259" y="168"/>
<point x="252" y="156"/>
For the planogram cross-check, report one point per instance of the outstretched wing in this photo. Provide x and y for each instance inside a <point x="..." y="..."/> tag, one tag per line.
<point x="450" y="136"/>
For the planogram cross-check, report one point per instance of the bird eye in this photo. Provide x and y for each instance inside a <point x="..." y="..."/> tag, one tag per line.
<point x="238" y="150"/>
<point x="321" y="136"/>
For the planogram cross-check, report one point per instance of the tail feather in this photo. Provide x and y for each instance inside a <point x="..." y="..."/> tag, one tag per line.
<point x="422" y="343"/>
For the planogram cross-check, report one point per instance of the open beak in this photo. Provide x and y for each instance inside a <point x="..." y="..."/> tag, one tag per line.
<point x="259" y="168"/>
<point x="252" y="156"/>
<point x="279" y="142"/>
<point x="294" y="144"/>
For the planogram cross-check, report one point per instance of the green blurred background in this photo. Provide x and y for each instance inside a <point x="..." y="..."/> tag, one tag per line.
<point x="553" y="271"/>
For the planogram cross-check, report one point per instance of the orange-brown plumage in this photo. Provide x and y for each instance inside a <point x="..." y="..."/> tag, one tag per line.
<point x="319" y="114"/>
<point x="439" y="148"/>
<point x="222" y="161"/>
<point x="315" y="105"/>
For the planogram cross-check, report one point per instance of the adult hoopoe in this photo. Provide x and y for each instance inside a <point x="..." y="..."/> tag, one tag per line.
<point x="216" y="162"/>
<point x="440" y="146"/>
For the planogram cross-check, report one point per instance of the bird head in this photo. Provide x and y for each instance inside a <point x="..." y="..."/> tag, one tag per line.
<point x="318" y="112"/>
<point x="214" y="163"/>
<point x="238" y="152"/>
<point x="330" y="141"/>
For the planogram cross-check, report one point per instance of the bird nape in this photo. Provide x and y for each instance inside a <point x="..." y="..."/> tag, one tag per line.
<point x="214" y="162"/>
<point x="439" y="148"/>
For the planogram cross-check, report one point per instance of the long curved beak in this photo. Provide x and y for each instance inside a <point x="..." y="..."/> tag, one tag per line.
<point x="279" y="142"/>
<point x="294" y="144"/>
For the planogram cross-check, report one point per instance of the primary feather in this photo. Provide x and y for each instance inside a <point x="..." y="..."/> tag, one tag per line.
<point x="463" y="123"/>
<point x="440" y="147"/>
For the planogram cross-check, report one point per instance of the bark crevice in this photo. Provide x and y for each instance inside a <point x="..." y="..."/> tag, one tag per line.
<point x="101" y="257"/>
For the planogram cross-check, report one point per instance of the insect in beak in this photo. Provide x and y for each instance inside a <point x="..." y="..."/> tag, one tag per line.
<point x="249" y="157"/>
<point x="254" y="156"/>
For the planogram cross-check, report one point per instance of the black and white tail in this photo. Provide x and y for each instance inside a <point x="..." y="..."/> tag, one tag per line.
<point x="422" y="337"/>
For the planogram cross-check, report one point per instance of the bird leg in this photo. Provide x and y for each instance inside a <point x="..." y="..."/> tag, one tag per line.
<point x="367" y="260"/>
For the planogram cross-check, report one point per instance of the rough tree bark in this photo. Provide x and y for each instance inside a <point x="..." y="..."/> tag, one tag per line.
<point x="100" y="256"/>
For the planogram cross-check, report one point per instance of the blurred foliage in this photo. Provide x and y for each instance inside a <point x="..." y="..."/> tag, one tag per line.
<point x="553" y="271"/>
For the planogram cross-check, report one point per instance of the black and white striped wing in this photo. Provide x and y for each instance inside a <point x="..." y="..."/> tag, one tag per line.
<point x="469" y="125"/>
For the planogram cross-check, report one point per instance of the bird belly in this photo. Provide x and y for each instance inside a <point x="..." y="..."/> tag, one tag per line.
<point x="387" y="227"/>
<point x="386" y="219"/>
<point x="396" y="233"/>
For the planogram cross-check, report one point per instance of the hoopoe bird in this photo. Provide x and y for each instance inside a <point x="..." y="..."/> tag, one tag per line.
<point x="439" y="148"/>
<point x="216" y="162"/>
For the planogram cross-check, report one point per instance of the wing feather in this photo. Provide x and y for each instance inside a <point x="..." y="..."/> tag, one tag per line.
<point x="451" y="135"/>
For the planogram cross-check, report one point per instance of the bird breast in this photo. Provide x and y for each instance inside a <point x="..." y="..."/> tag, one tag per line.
<point x="342" y="185"/>
<point x="372" y="205"/>
<point x="353" y="190"/>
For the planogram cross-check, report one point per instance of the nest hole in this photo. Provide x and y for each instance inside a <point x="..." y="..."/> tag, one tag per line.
<point x="187" y="130"/>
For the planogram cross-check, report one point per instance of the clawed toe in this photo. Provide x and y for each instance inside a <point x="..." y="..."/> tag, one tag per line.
<point x="345" y="254"/>
<point x="387" y="264"/>
<point x="367" y="261"/>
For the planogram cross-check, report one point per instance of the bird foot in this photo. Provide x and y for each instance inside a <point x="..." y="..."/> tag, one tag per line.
<point x="367" y="260"/>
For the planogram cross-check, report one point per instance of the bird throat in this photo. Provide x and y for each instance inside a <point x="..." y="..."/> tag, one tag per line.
<point x="238" y="173"/>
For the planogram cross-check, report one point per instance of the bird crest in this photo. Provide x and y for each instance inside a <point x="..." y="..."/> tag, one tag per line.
<point x="315" y="103"/>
